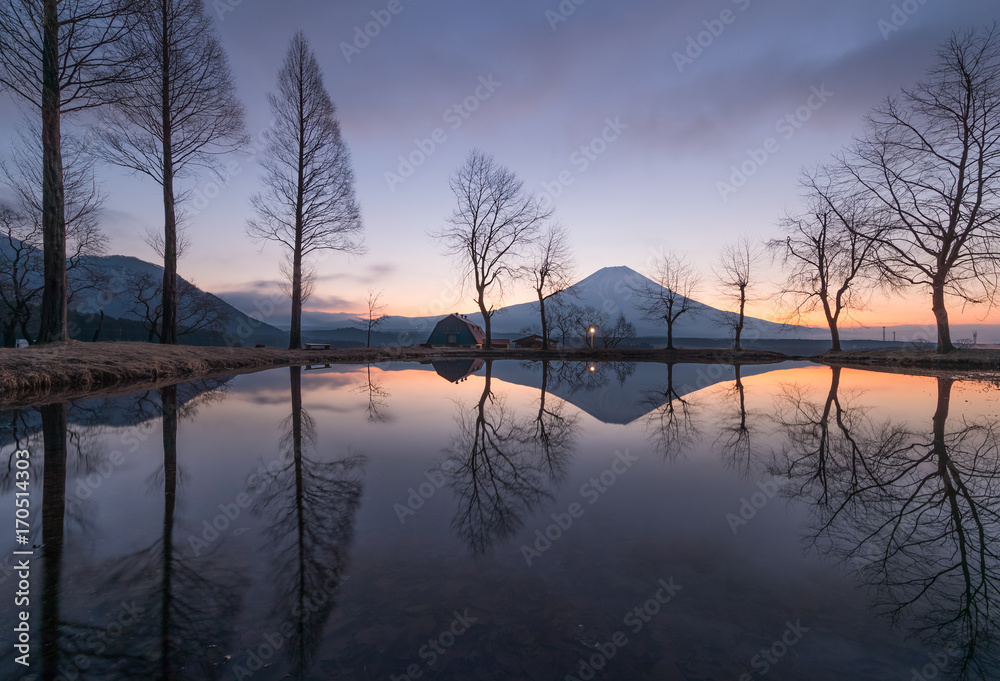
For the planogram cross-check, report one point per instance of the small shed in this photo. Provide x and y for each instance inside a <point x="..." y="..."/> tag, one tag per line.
<point x="533" y="342"/>
<point x="500" y="343"/>
<point x="457" y="330"/>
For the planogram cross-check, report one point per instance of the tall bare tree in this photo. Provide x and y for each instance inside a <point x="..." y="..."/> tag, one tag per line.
<point x="178" y="115"/>
<point x="667" y="295"/>
<point x="374" y="315"/>
<point x="494" y="223"/>
<point x="828" y="255"/>
<point x="56" y="56"/>
<point x="550" y="270"/>
<point x="308" y="205"/>
<point x="737" y="277"/>
<point x="931" y="159"/>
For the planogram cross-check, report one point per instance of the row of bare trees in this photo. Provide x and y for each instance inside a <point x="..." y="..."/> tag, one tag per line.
<point x="155" y="79"/>
<point x="914" y="202"/>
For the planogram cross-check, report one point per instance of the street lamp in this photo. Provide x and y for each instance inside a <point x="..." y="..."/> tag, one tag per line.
<point x="592" y="332"/>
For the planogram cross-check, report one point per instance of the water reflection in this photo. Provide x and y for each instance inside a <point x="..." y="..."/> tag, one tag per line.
<point x="53" y="511"/>
<point x="182" y="603"/>
<point x="915" y="515"/>
<point x="308" y="506"/>
<point x="908" y="505"/>
<point x="671" y="420"/>
<point x="378" y="397"/>
<point x="502" y="466"/>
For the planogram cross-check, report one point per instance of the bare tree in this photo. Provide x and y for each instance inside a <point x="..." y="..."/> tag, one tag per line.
<point x="564" y="318"/>
<point x="550" y="271"/>
<point x="667" y="295"/>
<point x="495" y="221"/>
<point x="829" y="261"/>
<point x="21" y="227"/>
<point x="374" y="316"/>
<point x="612" y="335"/>
<point x="56" y="55"/>
<point x="20" y="272"/>
<point x="737" y="278"/>
<point x="931" y="160"/>
<point x="178" y="115"/>
<point x="309" y="204"/>
<point x="196" y="310"/>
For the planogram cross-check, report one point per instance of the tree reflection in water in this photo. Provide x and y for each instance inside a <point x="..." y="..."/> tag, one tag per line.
<point x="502" y="466"/>
<point x="670" y="421"/>
<point x="309" y="506"/>
<point x="915" y="516"/>
<point x="184" y="603"/>
<point x="378" y="397"/>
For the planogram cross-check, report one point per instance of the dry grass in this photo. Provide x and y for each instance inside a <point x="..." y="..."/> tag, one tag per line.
<point x="979" y="363"/>
<point x="73" y="370"/>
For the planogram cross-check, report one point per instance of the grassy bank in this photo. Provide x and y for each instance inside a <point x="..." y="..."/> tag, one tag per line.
<point x="73" y="370"/>
<point x="977" y="363"/>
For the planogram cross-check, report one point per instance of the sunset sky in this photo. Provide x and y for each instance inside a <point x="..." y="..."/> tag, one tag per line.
<point x="534" y="83"/>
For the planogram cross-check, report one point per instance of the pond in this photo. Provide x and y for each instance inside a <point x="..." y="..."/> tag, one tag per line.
<point x="508" y="520"/>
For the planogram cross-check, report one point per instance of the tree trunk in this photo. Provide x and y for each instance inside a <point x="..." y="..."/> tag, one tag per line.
<point x="53" y="327"/>
<point x="545" y="324"/>
<point x="941" y="316"/>
<point x="168" y="332"/>
<point x="739" y="325"/>
<point x="100" y="325"/>
<point x="295" y="335"/>
<point x="486" y="322"/>
<point x="670" y="334"/>
<point x="9" y="331"/>
<point x="831" y="320"/>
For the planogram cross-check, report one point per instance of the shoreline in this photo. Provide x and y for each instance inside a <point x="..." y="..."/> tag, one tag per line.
<point x="75" y="370"/>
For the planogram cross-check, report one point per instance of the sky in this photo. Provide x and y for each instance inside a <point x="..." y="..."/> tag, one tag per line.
<point x="629" y="115"/>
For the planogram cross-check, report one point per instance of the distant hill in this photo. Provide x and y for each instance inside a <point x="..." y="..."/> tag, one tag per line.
<point x="121" y="323"/>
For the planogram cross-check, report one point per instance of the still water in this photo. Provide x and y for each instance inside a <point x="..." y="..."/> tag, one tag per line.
<point x="511" y="521"/>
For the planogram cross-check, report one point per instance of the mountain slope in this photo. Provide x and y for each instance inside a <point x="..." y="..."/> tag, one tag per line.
<point x="114" y="299"/>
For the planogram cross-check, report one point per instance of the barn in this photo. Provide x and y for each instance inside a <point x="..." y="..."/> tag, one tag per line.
<point x="456" y="330"/>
